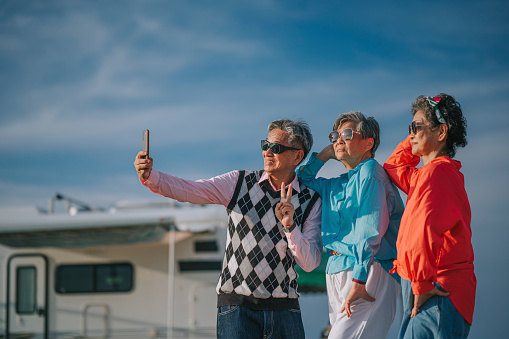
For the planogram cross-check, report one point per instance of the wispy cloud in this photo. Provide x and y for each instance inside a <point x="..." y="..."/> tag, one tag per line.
<point x="80" y="81"/>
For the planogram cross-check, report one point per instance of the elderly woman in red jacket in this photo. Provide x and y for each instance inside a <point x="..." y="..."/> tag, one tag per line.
<point x="435" y="254"/>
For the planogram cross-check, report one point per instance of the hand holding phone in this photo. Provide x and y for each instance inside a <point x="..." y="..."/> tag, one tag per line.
<point x="142" y="162"/>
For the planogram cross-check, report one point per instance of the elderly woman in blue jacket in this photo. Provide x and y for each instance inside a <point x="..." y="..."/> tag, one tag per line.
<point x="361" y="212"/>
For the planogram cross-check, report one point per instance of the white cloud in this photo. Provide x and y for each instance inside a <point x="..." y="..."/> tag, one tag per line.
<point x="207" y="77"/>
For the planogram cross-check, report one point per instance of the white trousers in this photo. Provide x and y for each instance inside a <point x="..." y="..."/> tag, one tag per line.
<point x="369" y="319"/>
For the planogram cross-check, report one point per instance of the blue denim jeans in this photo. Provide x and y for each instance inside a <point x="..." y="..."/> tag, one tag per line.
<point x="437" y="318"/>
<point x="237" y="322"/>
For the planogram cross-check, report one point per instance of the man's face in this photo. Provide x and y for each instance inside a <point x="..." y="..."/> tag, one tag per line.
<point x="282" y="164"/>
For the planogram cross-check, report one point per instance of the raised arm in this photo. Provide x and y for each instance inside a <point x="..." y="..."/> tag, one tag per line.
<point x="216" y="190"/>
<point x="307" y="172"/>
<point x="401" y="165"/>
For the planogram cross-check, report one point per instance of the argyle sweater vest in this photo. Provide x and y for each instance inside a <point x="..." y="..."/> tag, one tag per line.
<point x="258" y="263"/>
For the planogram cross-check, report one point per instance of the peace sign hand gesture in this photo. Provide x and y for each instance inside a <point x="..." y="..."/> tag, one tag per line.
<point x="285" y="209"/>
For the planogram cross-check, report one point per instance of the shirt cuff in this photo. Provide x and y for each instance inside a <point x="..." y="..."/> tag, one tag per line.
<point x="421" y="287"/>
<point x="293" y="236"/>
<point x="152" y="180"/>
<point x="288" y="229"/>
<point x="360" y="272"/>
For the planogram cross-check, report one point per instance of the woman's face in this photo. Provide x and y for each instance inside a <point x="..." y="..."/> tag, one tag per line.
<point x="351" y="152"/>
<point x="425" y="140"/>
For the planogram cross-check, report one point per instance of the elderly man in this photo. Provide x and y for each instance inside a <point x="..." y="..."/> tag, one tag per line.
<point x="360" y="220"/>
<point x="257" y="290"/>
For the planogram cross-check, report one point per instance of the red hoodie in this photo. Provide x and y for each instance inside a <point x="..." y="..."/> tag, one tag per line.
<point x="434" y="240"/>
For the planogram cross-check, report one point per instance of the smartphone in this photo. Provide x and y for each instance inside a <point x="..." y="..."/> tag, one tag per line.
<point x="145" y="143"/>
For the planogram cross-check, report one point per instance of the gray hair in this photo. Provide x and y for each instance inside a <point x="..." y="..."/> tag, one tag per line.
<point x="299" y="133"/>
<point x="368" y="127"/>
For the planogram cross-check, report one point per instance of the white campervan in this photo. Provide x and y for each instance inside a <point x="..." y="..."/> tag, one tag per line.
<point x="132" y="271"/>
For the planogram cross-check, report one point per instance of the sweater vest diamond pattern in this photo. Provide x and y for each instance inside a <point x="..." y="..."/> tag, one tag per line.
<point x="257" y="259"/>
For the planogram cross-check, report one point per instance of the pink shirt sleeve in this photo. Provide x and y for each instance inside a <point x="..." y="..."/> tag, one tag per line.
<point x="306" y="246"/>
<point x="217" y="190"/>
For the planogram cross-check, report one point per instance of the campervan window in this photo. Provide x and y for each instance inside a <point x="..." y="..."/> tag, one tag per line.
<point x="206" y="246"/>
<point x="26" y="290"/>
<point x="94" y="278"/>
<point x="189" y="266"/>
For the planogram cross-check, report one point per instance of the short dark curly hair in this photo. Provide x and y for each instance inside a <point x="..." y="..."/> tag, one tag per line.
<point x="451" y="111"/>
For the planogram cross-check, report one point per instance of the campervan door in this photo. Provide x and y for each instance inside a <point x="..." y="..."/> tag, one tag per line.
<point x="27" y="295"/>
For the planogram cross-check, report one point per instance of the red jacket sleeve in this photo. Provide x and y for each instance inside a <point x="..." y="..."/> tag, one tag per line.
<point x="401" y="165"/>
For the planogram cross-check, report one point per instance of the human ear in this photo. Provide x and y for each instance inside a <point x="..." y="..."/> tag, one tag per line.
<point x="370" y="142"/>
<point x="443" y="132"/>
<point x="299" y="155"/>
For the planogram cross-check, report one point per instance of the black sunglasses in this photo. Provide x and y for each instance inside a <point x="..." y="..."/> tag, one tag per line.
<point x="414" y="127"/>
<point x="276" y="148"/>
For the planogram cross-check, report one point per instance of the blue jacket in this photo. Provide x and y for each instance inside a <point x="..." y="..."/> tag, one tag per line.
<point x="361" y="212"/>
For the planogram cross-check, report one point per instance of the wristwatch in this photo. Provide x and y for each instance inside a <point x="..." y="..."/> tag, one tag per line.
<point x="288" y="229"/>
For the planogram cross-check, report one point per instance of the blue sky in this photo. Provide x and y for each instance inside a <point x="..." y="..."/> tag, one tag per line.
<point x="80" y="80"/>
